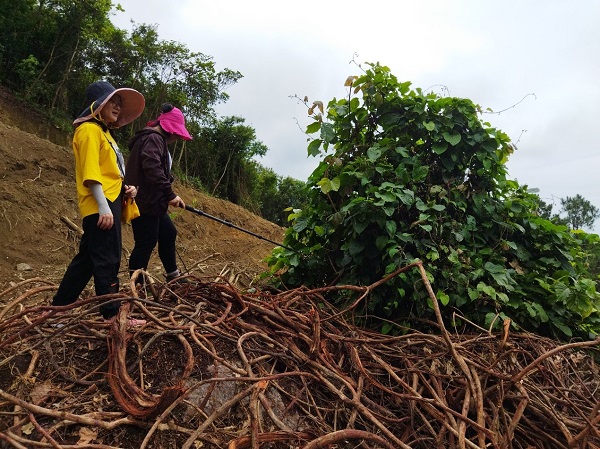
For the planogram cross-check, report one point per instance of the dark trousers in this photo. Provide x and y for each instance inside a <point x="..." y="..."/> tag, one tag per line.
<point x="148" y="230"/>
<point x="99" y="256"/>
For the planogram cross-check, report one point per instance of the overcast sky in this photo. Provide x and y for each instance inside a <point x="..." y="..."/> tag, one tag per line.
<point x="540" y="56"/>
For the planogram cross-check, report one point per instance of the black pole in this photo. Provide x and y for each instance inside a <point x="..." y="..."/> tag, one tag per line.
<point x="231" y="225"/>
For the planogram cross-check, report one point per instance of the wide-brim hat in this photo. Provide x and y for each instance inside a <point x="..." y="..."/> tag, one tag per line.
<point x="173" y="122"/>
<point x="99" y="93"/>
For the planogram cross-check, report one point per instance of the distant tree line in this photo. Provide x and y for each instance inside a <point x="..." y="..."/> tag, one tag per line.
<point x="575" y="212"/>
<point x="51" y="50"/>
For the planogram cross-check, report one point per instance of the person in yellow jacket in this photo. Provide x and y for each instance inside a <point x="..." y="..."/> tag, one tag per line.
<point x="99" y="175"/>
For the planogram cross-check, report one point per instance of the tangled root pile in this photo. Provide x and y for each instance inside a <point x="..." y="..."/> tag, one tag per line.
<point x="215" y="367"/>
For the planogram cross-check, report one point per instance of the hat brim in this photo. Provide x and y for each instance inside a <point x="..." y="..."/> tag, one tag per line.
<point x="177" y="130"/>
<point x="172" y="127"/>
<point x="133" y="106"/>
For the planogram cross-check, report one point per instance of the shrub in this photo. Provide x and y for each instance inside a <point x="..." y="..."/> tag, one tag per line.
<point x="410" y="175"/>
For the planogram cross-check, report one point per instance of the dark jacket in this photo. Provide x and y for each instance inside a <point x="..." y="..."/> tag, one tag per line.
<point x="149" y="169"/>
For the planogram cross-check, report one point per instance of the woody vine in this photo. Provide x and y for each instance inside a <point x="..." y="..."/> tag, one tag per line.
<point x="407" y="174"/>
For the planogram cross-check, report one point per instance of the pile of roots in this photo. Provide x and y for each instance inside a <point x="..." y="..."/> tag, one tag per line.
<point x="216" y="367"/>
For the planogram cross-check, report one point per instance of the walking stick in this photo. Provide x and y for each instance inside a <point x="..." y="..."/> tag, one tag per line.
<point x="231" y="225"/>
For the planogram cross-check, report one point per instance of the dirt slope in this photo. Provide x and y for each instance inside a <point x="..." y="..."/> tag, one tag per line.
<point x="37" y="199"/>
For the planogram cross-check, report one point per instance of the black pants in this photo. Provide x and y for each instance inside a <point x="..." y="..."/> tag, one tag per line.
<point x="99" y="256"/>
<point x="148" y="230"/>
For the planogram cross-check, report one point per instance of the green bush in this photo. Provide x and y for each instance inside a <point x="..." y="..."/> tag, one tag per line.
<point x="409" y="175"/>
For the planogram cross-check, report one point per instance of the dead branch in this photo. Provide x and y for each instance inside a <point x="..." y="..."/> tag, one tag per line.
<point x="217" y="367"/>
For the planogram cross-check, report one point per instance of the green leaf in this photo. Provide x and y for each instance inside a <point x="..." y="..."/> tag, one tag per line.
<point x="314" y="147"/>
<point x="540" y="312"/>
<point x="421" y="206"/>
<point x="335" y="184"/>
<point x="373" y="153"/>
<point x="356" y="246"/>
<point x="453" y="257"/>
<point x="432" y="255"/>
<point x="407" y="196"/>
<point x="313" y="127"/>
<point x="420" y="173"/>
<point x="488" y="290"/>
<point x="381" y="242"/>
<point x="402" y="151"/>
<point x="443" y="298"/>
<point x="327" y="185"/>
<point x="300" y="224"/>
<point x="359" y="226"/>
<point x="493" y="268"/>
<point x="389" y="210"/>
<point x="391" y="227"/>
<point x="502" y="297"/>
<point x="429" y="126"/>
<point x="386" y="197"/>
<point x="405" y="237"/>
<point x="327" y="132"/>
<point x="453" y="139"/>
<point x="386" y="327"/>
<point x="563" y="328"/>
<point x="439" y="147"/>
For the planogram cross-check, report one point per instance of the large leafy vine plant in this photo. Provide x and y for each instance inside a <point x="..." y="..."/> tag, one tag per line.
<point x="405" y="175"/>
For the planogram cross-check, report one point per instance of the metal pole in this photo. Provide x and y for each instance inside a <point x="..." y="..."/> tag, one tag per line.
<point x="231" y="225"/>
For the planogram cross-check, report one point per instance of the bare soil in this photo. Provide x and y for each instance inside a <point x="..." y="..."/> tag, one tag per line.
<point x="38" y="200"/>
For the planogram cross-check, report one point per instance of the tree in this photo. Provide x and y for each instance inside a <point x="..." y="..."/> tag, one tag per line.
<point x="408" y="175"/>
<point x="291" y="194"/>
<point x="544" y="210"/>
<point x="51" y="51"/>
<point x="580" y="213"/>
<point x="42" y="43"/>
<point x="222" y="159"/>
<point x="167" y="70"/>
<point x="164" y="71"/>
<point x="277" y="196"/>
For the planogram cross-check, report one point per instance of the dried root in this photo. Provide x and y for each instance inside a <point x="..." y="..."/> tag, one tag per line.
<point x="216" y="367"/>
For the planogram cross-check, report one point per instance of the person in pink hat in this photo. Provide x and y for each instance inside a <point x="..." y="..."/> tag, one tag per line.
<point x="149" y="168"/>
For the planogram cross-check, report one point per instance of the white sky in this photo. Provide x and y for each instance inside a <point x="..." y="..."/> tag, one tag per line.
<point x="492" y="52"/>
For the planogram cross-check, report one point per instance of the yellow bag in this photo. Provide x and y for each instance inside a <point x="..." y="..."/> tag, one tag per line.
<point x="130" y="210"/>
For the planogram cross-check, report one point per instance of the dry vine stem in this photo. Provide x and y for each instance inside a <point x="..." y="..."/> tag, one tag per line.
<point x="216" y="367"/>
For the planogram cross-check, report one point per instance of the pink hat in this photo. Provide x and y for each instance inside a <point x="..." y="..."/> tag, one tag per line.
<point x="171" y="119"/>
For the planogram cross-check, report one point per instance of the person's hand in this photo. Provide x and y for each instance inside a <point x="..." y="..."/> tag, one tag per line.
<point x="106" y="221"/>
<point x="130" y="191"/>
<point x="177" y="202"/>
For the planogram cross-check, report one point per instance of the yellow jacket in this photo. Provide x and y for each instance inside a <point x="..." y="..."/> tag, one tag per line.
<point x="95" y="160"/>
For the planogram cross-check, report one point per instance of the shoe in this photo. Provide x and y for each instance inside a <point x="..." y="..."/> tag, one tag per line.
<point x="131" y="322"/>
<point x="180" y="280"/>
<point x="55" y="314"/>
<point x="135" y="322"/>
